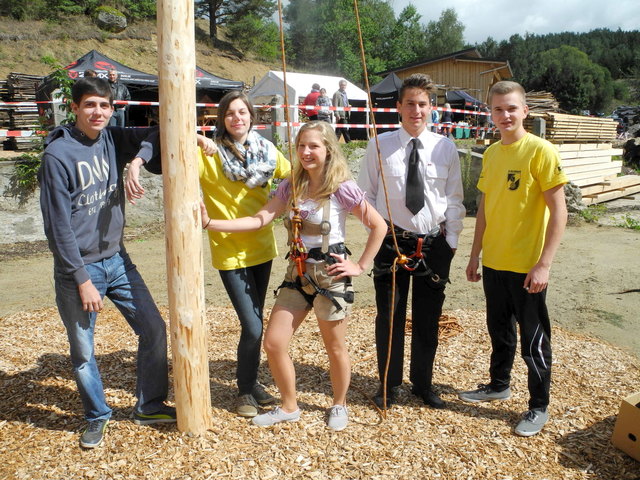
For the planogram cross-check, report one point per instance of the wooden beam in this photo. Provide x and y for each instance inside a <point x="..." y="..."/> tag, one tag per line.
<point x="185" y="277"/>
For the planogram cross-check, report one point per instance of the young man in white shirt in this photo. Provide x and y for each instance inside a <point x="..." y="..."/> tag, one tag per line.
<point x="425" y="195"/>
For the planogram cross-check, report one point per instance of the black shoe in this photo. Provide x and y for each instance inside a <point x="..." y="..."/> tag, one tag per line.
<point x="429" y="397"/>
<point x="93" y="434"/>
<point x="392" y="396"/>
<point x="165" y="414"/>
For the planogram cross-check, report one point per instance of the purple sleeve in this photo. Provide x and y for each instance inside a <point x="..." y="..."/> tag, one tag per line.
<point x="283" y="191"/>
<point x="349" y="195"/>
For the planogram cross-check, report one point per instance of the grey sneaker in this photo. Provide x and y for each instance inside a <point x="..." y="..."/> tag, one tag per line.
<point x="276" y="415"/>
<point x="338" y="418"/>
<point x="484" y="393"/>
<point x="532" y="422"/>
<point x="261" y="395"/>
<point x="93" y="434"/>
<point x="246" y="406"/>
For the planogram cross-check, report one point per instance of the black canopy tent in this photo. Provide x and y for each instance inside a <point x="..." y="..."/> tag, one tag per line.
<point x="461" y="99"/>
<point x="142" y="86"/>
<point x="385" y="95"/>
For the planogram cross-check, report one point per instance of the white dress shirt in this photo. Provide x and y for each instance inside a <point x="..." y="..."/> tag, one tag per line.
<point x="440" y="167"/>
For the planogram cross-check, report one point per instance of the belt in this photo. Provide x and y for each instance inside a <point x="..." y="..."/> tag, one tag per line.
<point x="401" y="232"/>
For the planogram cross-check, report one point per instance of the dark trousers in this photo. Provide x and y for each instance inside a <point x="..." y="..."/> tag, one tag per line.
<point x="509" y="303"/>
<point x="343" y="130"/>
<point x="426" y="305"/>
<point x="247" y="289"/>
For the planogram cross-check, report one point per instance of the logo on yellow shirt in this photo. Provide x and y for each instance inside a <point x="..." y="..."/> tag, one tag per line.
<point x="513" y="179"/>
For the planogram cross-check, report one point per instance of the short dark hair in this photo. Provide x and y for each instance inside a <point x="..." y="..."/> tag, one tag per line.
<point x="90" y="73"/>
<point x="315" y="86"/>
<point x="91" y="86"/>
<point x="420" y="81"/>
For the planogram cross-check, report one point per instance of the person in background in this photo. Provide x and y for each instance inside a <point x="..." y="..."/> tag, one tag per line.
<point x="342" y="117"/>
<point x="82" y="202"/>
<point x="311" y="99"/>
<point x="424" y="185"/>
<point x="324" y="102"/>
<point x="446" y="119"/>
<point x="325" y="195"/>
<point x="90" y="73"/>
<point x="119" y="91"/>
<point x="520" y="221"/>
<point x="435" y="118"/>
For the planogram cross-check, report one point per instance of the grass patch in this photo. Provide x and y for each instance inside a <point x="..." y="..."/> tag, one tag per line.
<point x="627" y="221"/>
<point x="592" y="213"/>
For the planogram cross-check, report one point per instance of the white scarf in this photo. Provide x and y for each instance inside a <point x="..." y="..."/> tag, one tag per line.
<point x="259" y="161"/>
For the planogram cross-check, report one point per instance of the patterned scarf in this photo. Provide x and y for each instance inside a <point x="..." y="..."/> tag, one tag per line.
<point x="259" y="161"/>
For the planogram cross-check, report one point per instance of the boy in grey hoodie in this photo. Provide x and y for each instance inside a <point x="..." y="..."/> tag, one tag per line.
<point x="82" y="201"/>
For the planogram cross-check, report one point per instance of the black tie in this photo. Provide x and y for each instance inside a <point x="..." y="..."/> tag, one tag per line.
<point x="415" y="185"/>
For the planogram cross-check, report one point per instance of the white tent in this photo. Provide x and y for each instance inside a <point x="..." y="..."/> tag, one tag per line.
<point x="299" y="85"/>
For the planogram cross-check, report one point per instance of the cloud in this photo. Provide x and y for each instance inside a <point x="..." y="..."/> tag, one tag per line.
<point x="501" y="19"/>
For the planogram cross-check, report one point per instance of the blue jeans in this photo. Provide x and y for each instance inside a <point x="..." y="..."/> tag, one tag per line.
<point x="247" y="289"/>
<point x="118" y="279"/>
<point x="118" y="118"/>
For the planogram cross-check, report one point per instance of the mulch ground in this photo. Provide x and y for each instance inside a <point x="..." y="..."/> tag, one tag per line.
<point x="41" y="414"/>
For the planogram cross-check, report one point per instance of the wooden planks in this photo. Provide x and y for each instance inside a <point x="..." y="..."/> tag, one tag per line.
<point x="563" y="128"/>
<point x="591" y="166"/>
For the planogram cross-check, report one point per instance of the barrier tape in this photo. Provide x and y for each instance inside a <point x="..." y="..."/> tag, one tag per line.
<point x="264" y="107"/>
<point x="202" y="128"/>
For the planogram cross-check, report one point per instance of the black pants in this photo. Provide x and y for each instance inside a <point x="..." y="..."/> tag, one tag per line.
<point x="344" y="131"/>
<point x="426" y="305"/>
<point x="507" y="303"/>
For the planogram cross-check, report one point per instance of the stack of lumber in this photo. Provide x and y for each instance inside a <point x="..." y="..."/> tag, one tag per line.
<point x="542" y="102"/>
<point x="4" y="90"/>
<point x="610" y="190"/>
<point x="22" y="87"/>
<point x="592" y="168"/>
<point x="563" y="128"/>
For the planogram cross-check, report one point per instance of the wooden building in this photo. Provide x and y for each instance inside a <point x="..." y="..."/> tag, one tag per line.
<point x="464" y="70"/>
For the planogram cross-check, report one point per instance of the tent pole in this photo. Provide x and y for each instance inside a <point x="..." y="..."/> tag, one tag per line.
<point x="185" y="277"/>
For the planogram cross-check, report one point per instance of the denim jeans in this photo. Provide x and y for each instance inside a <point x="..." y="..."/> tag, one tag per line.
<point x="118" y="279"/>
<point x="247" y="289"/>
<point x="118" y="118"/>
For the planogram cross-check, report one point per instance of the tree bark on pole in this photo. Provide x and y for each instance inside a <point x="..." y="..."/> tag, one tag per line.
<point x="185" y="271"/>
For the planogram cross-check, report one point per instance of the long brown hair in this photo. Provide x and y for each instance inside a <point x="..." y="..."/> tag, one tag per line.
<point x="221" y="135"/>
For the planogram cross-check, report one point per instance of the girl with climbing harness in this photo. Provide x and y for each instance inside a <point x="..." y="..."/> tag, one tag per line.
<point x="317" y="201"/>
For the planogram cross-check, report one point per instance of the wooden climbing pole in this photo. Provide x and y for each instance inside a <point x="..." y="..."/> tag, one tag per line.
<point x="185" y="277"/>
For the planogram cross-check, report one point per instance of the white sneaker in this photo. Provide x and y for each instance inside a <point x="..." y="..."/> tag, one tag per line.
<point x="532" y="422"/>
<point x="274" y="416"/>
<point x="338" y="418"/>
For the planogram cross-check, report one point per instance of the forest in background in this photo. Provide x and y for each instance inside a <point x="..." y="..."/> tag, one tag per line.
<point x="594" y="71"/>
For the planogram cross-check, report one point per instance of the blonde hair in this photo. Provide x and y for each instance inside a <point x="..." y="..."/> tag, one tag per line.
<point x="336" y="169"/>
<point x="505" y="87"/>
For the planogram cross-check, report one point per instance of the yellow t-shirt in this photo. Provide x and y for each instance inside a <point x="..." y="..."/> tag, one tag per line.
<point x="513" y="180"/>
<point x="227" y="199"/>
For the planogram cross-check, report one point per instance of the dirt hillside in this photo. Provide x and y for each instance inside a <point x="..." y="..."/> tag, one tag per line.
<point x="23" y="44"/>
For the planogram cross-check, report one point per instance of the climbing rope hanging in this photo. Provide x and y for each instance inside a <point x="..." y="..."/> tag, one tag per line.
<point x="400" y="259"/>
<point x="297" y="251"/>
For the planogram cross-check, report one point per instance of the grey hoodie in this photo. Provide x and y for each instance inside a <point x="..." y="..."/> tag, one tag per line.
<point x="82" y="192"/>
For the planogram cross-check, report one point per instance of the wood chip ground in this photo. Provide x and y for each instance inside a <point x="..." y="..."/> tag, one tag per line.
<point x="41" y="414"/>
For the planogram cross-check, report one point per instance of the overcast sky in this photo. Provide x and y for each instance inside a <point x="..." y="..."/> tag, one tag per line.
<point x="502" y="18"/>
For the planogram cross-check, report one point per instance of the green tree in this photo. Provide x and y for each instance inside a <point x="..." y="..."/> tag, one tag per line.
<point x="258" y="35"/>
<point x="446" y="35"/>
<point x="408" y="40"/>
<point x="227" y="12"/>
<point x="577" y="82"/>
<point x="323" y="35"/>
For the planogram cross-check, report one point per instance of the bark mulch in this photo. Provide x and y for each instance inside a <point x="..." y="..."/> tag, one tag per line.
<point x="41" y="414"/>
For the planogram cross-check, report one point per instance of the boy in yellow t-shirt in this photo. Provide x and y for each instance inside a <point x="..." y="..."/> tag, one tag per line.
<point x="520" y="221"/>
